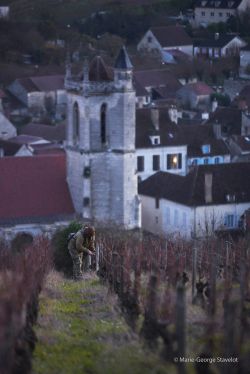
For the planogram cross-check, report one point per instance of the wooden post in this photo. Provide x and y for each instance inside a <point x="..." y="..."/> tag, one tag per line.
<point x="194" y="269"/>
<point x="180" y="325"/>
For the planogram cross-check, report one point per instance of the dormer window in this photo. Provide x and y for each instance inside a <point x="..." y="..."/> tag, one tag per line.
<point x="230" y="4"/>
<point x="230" y="198"/>
<point x="155" y="140"/>
<point x="205" y="149"/>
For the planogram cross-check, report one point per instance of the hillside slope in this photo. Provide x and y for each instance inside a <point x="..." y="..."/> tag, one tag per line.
<point x="80" y="330"/>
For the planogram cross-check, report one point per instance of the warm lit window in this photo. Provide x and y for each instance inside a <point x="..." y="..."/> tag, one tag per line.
<point x="174" y="161"/>
<point x="140" y="163"/>
<point x="156" y="162"/>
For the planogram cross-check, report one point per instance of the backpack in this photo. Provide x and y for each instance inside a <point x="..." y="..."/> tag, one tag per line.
<point x="70" y="236"/>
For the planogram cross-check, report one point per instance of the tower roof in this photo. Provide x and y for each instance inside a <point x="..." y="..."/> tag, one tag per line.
<point x="98" y="70"/>
<point x="123" y="60"/>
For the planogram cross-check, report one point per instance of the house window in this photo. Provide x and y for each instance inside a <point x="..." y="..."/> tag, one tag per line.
<point x="203" y="14"/>
<point x="205" y="148"/>
<point x="103" y="123"/>
<point x="140" y="163"/>
<point x="174" y="161"/>
<point x="176" y="217"/>
<point x="220" y="14"/>
<point x="156" y="162"/>
<point x="229" y="220"/>
<point x="228" y="14"/>
<point x="194" y="161"/>
<point x="167" y="216"/>
<point x="212" y="14"/>
<point x="206" y="161"/>
<point x="156" y="220"/>
<point x="184" y="219"/>
<point x="217" y="160"/>
<point x="157" y="203"/>
<point x="149" y="39"/>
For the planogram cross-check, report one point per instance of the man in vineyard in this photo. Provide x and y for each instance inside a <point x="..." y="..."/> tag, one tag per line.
<point x="81" y="246"/>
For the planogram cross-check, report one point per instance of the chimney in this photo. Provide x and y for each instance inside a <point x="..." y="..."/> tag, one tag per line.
<point x="208" y="188"/>
<point x="216" y="36"/>
<point x="155" y="118"/>
<point x="217" y="130"/>
<point x="214" y="105"/>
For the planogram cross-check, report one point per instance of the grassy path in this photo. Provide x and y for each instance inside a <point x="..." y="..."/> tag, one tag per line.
<point x="80" y="330"/>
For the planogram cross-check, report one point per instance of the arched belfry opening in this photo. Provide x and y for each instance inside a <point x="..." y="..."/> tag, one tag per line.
<point x="76" y="123"/>
<point x="103" y="120"/>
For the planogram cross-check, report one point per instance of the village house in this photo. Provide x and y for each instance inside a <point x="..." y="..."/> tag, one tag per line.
<point x="163" y="145"/>
<point x="158" y="144"/>
<point x="218" y="45"/>
<point x="215" y="11"/>
<point x="41" y="94"/>
<point x="167" y="38"/>
<point x="240" y="148"/>
<point x="207" y="199"/>
<point x="232" y="121"/>
<point x="195" y="95"/>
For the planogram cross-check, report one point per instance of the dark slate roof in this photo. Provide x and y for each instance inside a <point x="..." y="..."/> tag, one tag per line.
<point x="171" y="36"/>
<point x="198" y="135"/>
<point x="123" y="60"/>
<point x="34" y="187"/>
<point x="43" y="83"/>
<point x="220" y="42"/>
<point x="98" y="71"/>
<point x="55" y="133"/>
<point x="220" y="4"/>
<point x="189" y="190"/>
<point x="169" y="132"/>
<point x="229" y="118"/>
<point x="157" y="78"/>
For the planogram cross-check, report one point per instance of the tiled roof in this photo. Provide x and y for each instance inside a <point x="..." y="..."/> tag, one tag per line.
<point x="198" y="135"/>
<point x="219" y="42"/>
<point x="243" y="142"/>
<point x="43" y="83"/>
<point x="98" y="70"/>
<point x="48" y="132"/>
<point x="220" y="4"/>
<point x="26" y="139"/>
<point x="229" y="118"/>
<point x="156" y="78"/>
<point x="228" y="179"/>
<point x="199" y="88"/>
<point x="169" y="132"/>
<point x="194" y="136"/>
<point x="171" y="36"/>
<point x="34" y="187"/>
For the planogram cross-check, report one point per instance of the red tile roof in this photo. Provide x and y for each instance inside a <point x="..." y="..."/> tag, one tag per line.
<point x="34" y="187"/>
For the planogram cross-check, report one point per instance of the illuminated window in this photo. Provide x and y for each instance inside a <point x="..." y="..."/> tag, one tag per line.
<point x="174" y="161"/>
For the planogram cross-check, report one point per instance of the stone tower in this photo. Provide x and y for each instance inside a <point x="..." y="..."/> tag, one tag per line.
<point x="100" y="146"/>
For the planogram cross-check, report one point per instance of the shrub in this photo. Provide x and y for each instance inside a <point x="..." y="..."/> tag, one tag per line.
<point x="21" y="241"/>
<point x="61" y="256"/>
